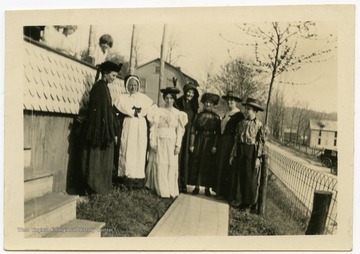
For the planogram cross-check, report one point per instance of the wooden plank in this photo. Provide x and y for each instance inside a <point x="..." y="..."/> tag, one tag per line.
<point x="194" y="216"/>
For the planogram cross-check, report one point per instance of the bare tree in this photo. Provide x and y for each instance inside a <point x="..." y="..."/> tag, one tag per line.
<point x="171" y="55"/>
<point x="303" y="119"/>
<point x="238" y="76"/>
<point x="275" y="47"/>
<point x="277" y="114"/>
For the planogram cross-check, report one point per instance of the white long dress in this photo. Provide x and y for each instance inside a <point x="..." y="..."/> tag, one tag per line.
<point x="134" y="134"/>
<point x="167" y="130"/>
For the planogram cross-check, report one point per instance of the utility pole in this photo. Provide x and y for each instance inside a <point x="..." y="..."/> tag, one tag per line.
<point x="91" y="49"/>
<point x="132" y="53"/>
<point x="162" y="65"/>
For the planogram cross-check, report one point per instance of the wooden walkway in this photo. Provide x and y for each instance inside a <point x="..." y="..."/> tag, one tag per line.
<point x="194" y="216"/>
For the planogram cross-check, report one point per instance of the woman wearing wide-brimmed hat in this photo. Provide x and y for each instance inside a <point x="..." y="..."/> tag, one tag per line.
<point x="99" y="133"/>
<point x="189" y="104"/>
<point x="203" y="142"/>
<point x="166" y="132"/>
<point x="133" y="143"/>
<point x="223" y="170"/>
<point x="245" y="157"/>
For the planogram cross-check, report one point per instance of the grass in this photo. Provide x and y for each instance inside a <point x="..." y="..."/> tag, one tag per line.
<point x="281" y="217"/>
<point x="125" y="212"/>
<point x="134" y="213"/>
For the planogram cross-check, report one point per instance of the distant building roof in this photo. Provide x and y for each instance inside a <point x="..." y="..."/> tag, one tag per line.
<point x="172" y="66"/>
<point x="325" y="125"/>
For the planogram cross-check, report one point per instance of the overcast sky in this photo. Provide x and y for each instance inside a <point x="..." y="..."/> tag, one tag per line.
<point x="199" y="45"/>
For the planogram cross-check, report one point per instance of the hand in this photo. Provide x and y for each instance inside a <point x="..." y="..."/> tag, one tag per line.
<point x="231" y="160"/>
<point x="116" y="140"/>
<point x="191" y="148"/>
<point x="257" y="163"/>
<point x="213" y="150"/>
<point x="177" y="150"/>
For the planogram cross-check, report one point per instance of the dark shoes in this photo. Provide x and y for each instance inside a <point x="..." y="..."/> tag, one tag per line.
<point x="183" y="190"/>
<point x="195" y="191"/>
<point x="207" y="192"/>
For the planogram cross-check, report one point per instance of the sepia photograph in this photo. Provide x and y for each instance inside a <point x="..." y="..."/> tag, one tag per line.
<point x="220" y="128"/>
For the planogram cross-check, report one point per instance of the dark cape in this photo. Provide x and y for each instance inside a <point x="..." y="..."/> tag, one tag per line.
<point x="223" y="169"/>
<point x="98" y="136"/>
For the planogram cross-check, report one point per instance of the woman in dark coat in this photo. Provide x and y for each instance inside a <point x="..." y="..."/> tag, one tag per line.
<point x="245" y="157"/>
<point x="203" y="142"/>
<point x="223" y="171"/>
<point x="187" y="103"/>
<point x="99" y="134"/>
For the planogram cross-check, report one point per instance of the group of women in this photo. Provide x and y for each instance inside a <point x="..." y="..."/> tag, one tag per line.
<point x="174" y="146"/>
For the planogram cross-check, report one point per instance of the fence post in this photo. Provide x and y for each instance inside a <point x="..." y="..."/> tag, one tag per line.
<point x="319" y="213"/>
<point x="263" y="185"/>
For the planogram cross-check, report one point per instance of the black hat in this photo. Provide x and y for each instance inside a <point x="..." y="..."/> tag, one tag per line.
<point x="232" y="95"/>
<point x="210" y="97"/>
<point x="253" y="103"/>
<point x="110" y="66"/>
<point x="189" y="86"/>
<point x="170" y="89"/>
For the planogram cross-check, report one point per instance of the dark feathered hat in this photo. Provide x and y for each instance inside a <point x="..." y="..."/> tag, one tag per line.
<point x="210" y="97"/>
<point x="107" y="66"/>
<point x="170" y="89"/>
<point x="253" y="103"/>
<point x="110" y="66"/>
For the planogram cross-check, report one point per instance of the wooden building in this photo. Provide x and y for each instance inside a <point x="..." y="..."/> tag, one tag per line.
<point x="322" y="134"/>
<point x="149" y="77"/>
<point x="55" y="87"/>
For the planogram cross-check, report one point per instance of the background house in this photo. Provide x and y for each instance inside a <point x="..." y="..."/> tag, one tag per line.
<point x="149" y="78"/>
<point x="322" y="134"/>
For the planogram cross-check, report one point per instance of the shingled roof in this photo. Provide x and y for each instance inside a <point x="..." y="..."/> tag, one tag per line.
<point x="325" y="125"/>
<point x="54" y="82"/>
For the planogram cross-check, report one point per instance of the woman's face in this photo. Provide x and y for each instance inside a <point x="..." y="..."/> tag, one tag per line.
<point x="104" y="47"/>
<point x="169" y="100"/>
<point x="110" y="77"/>
<point x="190" y="94"/>
<point x="231" y="103"/>
<point x="133" y="86"/>
<point x="208" y="105"/>
<point x="250" y="112"/>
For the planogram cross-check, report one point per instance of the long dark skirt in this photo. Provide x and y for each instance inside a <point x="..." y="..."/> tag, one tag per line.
<point x="245" y="176"/>
<point x="223" y="170"/>
<point x="202" y="169"/>
<point x="184" y="158"/>
<point x="98" y="166"/>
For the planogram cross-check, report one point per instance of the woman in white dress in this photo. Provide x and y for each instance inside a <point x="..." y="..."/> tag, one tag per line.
<point x="135" y="105"/>
<point x="166" y="132"/>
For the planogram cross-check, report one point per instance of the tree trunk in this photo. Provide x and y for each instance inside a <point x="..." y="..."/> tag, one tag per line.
<point x="317" y="223"/>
